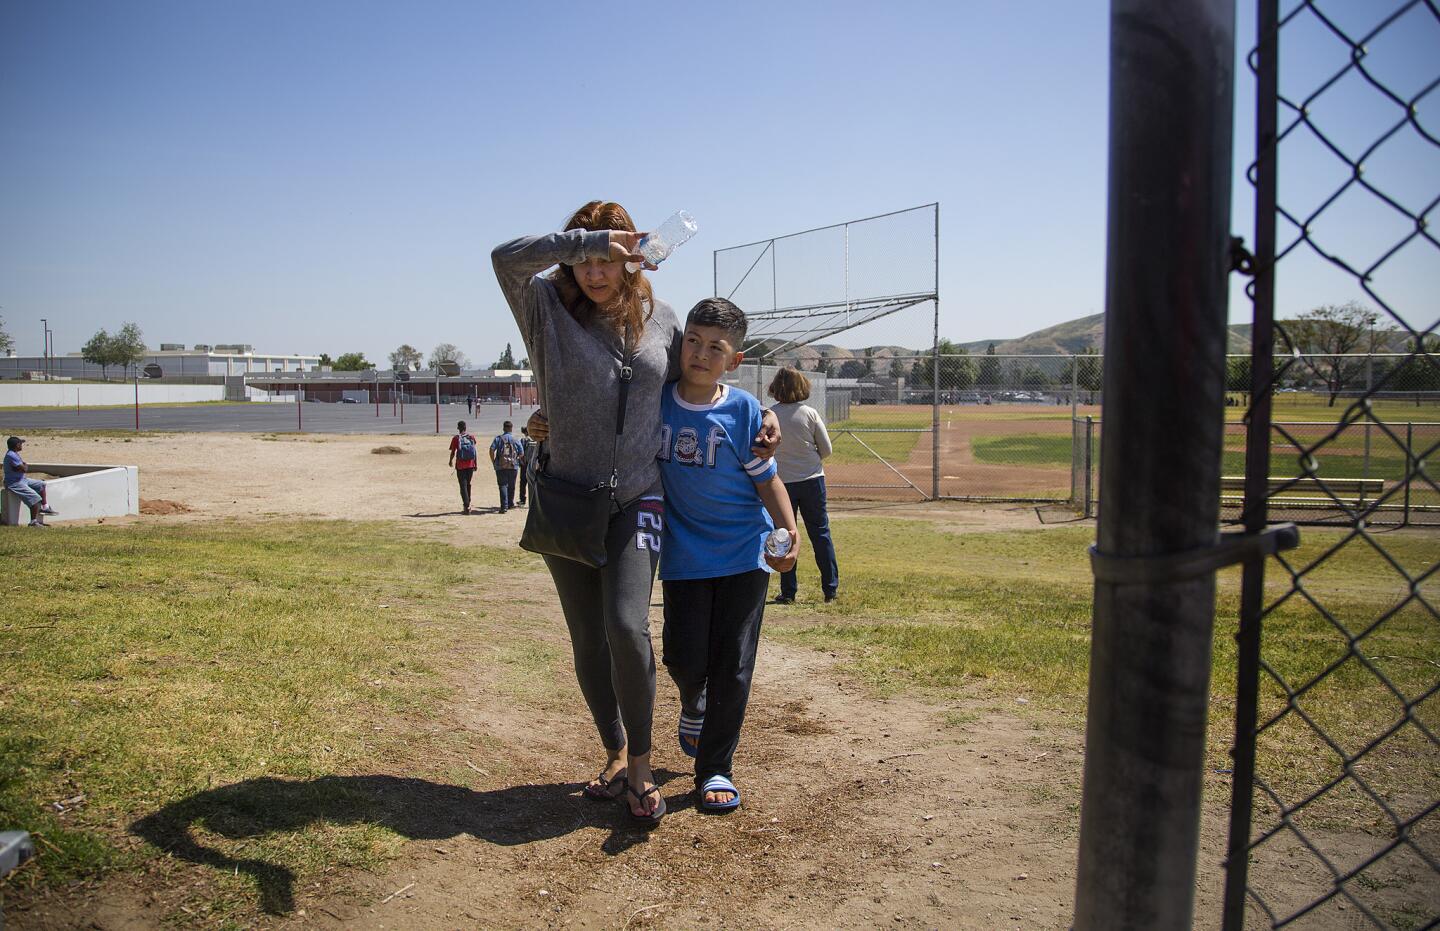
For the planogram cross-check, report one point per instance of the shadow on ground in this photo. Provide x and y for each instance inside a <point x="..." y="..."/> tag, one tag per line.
<point x="413" y="808"/>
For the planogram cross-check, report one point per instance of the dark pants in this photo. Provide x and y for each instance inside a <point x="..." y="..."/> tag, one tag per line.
<point x="465" y="476"/>
<point x="608" y="613"/>
<point x="524" y="481"/>
<point x="505" y="478"/>
<point x="808" y="500"/>
<point x="712" y="630"/>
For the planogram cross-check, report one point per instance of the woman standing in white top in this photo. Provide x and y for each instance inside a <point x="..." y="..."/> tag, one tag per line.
<point x="804" y="445"/>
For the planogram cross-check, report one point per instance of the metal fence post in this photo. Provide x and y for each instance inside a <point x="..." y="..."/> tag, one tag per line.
<point x="1409" y="461"/>
<point x="935" y="412"/>
<point x="1257" y="466"/>
<point x="1167" y="265"/>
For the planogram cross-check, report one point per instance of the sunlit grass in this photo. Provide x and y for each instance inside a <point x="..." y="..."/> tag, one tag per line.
<point x="1010" y="613"/>
<point x="143" y="664"/>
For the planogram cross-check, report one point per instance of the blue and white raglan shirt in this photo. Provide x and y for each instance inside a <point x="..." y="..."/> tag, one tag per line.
<point x="715" y="522"/>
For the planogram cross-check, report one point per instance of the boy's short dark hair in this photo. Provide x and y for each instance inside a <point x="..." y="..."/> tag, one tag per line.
<point x="508" y="426"/>
<point x="461" y="425"/>
<point x="723" y="315"/>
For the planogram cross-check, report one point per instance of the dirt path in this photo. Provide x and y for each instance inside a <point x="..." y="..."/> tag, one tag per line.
<point x="858" y="813"/>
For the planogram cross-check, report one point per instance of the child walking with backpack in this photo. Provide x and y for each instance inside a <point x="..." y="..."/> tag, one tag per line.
<point x="506" y="454"/>
<point x="464" y="456"/>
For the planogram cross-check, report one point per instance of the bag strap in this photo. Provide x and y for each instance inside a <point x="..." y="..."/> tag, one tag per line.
<point x="627" y="372"/>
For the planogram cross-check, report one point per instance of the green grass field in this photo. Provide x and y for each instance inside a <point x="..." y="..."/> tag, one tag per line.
<point x="1301" y="406"/>
<point x="142" y="664"/>
<point x="892" y="447"/>
<point x="168" y="660"/>
<point x="1009" y="614"/>
<point x="1343" y="457"/>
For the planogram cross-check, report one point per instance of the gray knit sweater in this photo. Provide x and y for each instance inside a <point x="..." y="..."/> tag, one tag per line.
<point x="578" y="367"/>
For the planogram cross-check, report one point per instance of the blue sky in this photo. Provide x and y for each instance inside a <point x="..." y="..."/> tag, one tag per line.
<point x="329" y="176"/>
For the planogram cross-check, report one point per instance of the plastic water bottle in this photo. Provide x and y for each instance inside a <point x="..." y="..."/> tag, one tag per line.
<point x="778" y="543"/>
<point x="658" y="244"/>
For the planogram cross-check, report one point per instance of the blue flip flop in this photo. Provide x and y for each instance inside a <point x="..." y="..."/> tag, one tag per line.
<point x="690" y="730"/>
<point x="719" y="784"/>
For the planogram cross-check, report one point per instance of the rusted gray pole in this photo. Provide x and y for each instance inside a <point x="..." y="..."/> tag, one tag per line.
<point x="1165" y="317"/>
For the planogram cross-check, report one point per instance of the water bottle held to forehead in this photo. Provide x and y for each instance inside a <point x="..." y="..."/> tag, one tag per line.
<point x="659" y="243"/>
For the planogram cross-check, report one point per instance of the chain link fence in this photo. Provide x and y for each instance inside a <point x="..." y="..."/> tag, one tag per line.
<point x="1321" y="472"/>
<point x="1337" y="758"/>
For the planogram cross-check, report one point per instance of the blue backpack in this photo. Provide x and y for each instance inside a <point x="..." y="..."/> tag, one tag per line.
<point x="466" y="450"/>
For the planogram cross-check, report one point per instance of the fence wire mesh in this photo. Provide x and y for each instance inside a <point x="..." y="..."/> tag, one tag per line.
<point x="1342" y="812"/>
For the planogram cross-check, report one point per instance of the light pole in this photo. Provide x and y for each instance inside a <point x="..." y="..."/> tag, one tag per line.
<point x="45" y="347"/>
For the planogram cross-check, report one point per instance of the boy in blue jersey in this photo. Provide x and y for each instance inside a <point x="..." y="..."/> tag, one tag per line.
<point x="721" y="503"/>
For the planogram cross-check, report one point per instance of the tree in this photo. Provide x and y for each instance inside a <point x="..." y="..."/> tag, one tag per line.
<point x="1033" y="378"/>
<point x="524" y="363"/>
<point x="447" y="352"/>
<point x="326" y="360"/>
<point x="1329" y="334"/>
<point x="870" y="361"/>
<point x="406" y="358"/>
<point x="98" y="351"/>
<point x="988" y="375"/>
<point x="351" y="362"/>
<point x="506" y="360"/>
<point x="957" y="369"/>
<point x="7" y="342"/>
<point x="1418" y="373"/>
<point x="897" y="368"/>
<point x="1084" y="370"/>
<point x="128" y="346"/>
<point x="852" y="368"/>
<point x="1237" y="375"/>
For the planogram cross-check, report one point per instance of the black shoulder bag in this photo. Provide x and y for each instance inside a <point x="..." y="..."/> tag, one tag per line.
<point x="570" y="520"/>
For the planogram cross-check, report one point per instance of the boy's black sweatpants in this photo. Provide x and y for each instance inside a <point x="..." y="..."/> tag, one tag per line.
<point x="712" y="629"/>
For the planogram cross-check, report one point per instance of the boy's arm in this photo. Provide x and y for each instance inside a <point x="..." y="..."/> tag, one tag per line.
<point x="767" y="438"/>
<point x="777" y="502"/>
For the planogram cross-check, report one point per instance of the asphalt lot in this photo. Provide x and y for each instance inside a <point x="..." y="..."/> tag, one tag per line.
<point x="313" y="417"/>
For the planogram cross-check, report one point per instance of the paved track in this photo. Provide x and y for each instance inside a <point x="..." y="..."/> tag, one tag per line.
<point x="314" y="417"/>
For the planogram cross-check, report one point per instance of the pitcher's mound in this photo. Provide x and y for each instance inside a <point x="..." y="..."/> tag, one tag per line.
<point x="161" y="506"/>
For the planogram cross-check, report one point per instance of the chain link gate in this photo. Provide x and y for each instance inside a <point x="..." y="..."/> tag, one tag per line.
<point x="1355" y="823"/>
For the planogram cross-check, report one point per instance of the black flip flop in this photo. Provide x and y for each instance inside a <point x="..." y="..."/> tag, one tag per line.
<point x="654" y="817"/>
<point x="601" y="792"/>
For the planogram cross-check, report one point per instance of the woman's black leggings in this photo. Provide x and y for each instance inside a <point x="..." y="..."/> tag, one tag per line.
<point x="608" y="613"/>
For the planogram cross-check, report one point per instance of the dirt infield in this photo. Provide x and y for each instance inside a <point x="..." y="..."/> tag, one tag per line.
<point x="350" y="477"/>
<point x="961" y="475"/>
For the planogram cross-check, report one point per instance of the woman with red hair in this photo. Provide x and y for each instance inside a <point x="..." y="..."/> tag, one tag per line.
<point x="579" y="323"/>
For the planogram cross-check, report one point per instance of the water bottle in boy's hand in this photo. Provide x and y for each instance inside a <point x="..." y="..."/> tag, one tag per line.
<point x="778" y="543"/>
<point x="657" y="245"/>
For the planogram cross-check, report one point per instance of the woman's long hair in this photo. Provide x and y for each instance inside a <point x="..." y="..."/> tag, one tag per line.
<point x="635" y="301"/>
<point x="789" y="386"/>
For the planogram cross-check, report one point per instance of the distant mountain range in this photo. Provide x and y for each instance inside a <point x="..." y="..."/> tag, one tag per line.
<point x="1073" y="336"/>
